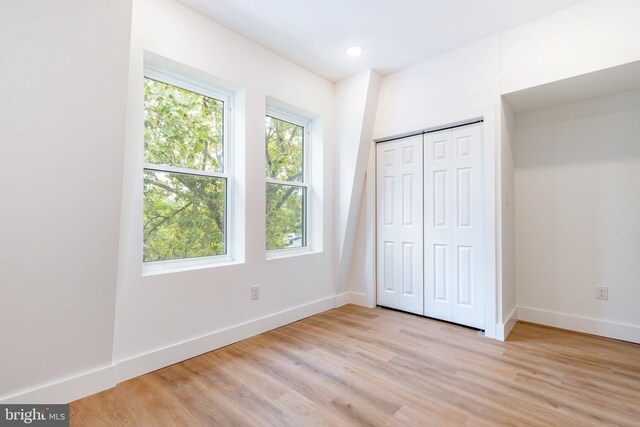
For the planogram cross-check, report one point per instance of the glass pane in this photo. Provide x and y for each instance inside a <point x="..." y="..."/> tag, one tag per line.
<point x="285" y="143"/>
<point x="286" y="207"/>
<point x="184" y="216"/>
<point x="182" y="128"/>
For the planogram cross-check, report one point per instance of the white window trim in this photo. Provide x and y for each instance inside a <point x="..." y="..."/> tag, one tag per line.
<point x="306" y="184"/>
<point x="289" y="252"/>
<point x="185" y="82"/>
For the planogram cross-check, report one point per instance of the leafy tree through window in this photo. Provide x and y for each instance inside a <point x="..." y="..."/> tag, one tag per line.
<point x="286" y="184"/>
<point x="185" y="181"/>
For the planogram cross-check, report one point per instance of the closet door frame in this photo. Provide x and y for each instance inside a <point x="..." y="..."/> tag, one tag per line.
<point x="494" y="325"/>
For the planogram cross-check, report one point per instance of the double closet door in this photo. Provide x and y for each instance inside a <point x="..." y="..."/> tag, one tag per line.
<point x="429" y="225"/>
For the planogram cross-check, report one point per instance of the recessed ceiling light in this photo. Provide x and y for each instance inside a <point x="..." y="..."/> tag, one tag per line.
<point x="354" y="50"/>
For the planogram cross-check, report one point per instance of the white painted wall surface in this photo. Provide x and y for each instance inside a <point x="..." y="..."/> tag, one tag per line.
<point x="433" y="91"/>
<point x="63" y="82"/>
<point x="357" y="279"/>
<point x="155" y="312"/>
<point x="350" y="96"/>
<point x="577" y="210"/>
<point x="362" y="279"/>
<point x="355" y="101"/>
<point x="507" y="293"/>
<point x="589" y="36"/>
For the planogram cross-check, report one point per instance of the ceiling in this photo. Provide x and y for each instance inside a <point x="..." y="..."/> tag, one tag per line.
<point x="393" y="33"/>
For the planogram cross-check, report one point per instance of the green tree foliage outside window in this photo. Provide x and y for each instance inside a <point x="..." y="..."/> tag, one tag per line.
<point x="184" y="213"/>
<point x="286" y="203"/>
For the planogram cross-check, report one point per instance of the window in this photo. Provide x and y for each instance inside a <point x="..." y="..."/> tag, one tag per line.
<point x="186" y="170"/>
<point x="287" y="181"/>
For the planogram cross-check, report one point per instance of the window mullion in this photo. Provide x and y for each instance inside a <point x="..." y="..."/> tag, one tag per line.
<point x="184" y="171"/>
<point x="290" y="183"/>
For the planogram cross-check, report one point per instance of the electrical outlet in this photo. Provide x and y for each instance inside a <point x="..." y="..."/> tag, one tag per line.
<point x="255" y="292"/>
<point x="602" y="292"/>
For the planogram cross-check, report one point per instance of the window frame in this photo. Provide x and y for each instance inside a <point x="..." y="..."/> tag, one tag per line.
<point x="305" y="183"/>
<point x="201" y="88"/>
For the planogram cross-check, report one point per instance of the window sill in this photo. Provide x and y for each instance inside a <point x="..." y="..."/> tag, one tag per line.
<point x="177" y="266"/>
<point x="288" y="253"/>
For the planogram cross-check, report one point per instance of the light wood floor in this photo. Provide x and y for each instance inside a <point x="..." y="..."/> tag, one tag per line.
<point x="359" y="366"/>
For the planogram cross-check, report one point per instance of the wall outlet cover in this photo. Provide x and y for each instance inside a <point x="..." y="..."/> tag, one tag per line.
<point x="602" y="292"/>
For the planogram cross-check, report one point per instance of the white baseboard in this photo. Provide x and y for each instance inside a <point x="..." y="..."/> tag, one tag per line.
<point x="88" y="383"/>
<point x="588" y="325"/>
<point x="145" y="363"/>
<point x="351" y="298"/>
<point x="504" y="329"/>
<point x="358" y="299"/>
<point x="342" y="299"/>
<point x="67" y="389"/>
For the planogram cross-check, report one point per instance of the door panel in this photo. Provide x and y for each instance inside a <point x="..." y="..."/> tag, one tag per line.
<point x="410" y="232"/>
<point x="437" y="230"/>
<point x="440" y="265"/>
<point x="453" y="226"/>
<point x="400" y="246"/>
<point x="387" y="227"/>
<point x="468" y="307"/>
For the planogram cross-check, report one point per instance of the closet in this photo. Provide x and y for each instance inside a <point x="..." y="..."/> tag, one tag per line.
<point x="430" y="225"/>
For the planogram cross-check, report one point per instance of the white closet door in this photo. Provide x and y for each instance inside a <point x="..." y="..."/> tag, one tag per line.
<point x="399" y="216"/>
<point x="468" y="295"/>
<point x="438" y="265"/>
<point x="411" y="283"/>
<point x="387" y="218"/>
<point x="453" y="226"/>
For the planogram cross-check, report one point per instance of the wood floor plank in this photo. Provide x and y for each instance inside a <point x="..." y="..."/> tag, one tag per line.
<point x="356" y="366"/>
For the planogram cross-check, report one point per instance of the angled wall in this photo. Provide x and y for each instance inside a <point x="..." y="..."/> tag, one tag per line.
<point x="62" y="126"/>
<point x="355" y="105"/>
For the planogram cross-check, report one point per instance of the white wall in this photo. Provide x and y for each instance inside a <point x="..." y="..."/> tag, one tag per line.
<point x="577" y="210"/>
<point x="62" y="121"/>
<point x="355" y="104"/>
<point x="357" y="273"/>
<point x="589" y="36"/>
<point x="362" y="275"/>
<point x="177" y="315"/>
<point x="507" y="293"/>
<point x="455" y="84"/>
